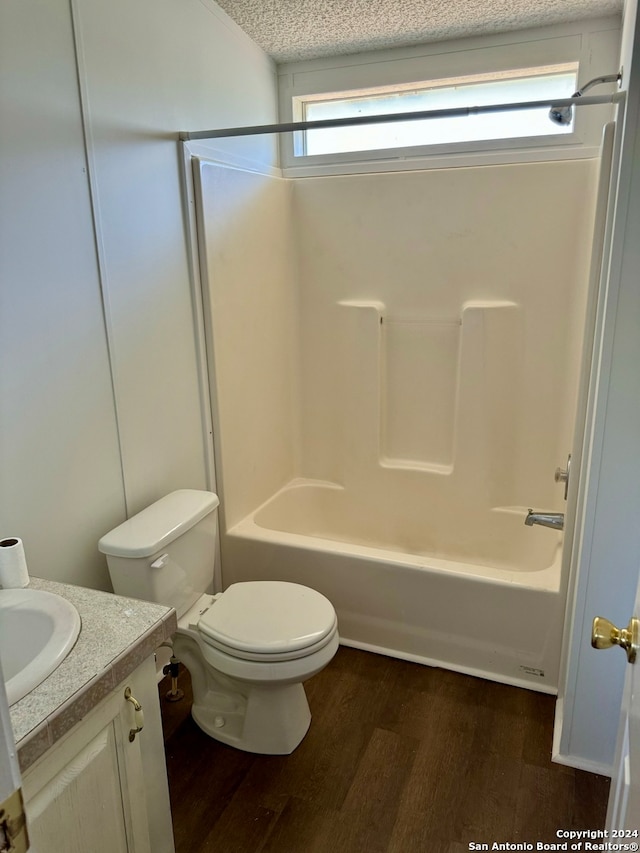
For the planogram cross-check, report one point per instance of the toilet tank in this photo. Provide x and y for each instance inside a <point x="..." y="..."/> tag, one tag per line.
<point x="165" y="553"/>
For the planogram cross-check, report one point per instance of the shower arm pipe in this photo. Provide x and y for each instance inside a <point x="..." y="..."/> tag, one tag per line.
<point x="604" y="78"/>
<point x="452" y="112"/>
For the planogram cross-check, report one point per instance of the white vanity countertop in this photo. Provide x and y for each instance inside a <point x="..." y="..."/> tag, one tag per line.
<point x="117" y="634"/>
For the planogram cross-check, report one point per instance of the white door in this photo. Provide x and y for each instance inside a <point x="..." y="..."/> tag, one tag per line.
<point x="623" y="814"/>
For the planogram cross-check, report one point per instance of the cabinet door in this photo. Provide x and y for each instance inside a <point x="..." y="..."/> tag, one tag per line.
<point x="155" y="787"/>
<point x="87" y="793"/>
<point x="80" y="808"/>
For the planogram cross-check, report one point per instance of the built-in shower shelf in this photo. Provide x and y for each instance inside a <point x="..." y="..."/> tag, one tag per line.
<point x="433" y="394"/>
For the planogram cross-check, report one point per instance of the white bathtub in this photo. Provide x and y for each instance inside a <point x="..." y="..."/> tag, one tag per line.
<point x="500" y="621"/>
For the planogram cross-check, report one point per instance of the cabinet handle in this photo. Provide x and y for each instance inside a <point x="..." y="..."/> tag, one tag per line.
<point x="138" y="715"/>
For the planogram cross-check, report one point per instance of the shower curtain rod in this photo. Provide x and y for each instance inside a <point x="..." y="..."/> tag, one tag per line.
<point x="451" y="112"/>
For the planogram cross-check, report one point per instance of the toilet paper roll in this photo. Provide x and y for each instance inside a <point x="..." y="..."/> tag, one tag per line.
<point x="13" y="565"/>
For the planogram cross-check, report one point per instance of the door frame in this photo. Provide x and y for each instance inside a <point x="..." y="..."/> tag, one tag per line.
<point x="604" y="570"/>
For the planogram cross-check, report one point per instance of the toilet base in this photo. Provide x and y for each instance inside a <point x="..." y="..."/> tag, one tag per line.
<point x="271" y="720"/>
<point x="267" y="718"/>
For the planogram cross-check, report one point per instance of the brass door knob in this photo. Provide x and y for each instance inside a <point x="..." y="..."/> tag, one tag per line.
<point x="604" y="634"/>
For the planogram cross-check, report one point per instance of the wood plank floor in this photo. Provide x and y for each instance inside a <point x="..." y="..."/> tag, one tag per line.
<point x="400" y="758"/>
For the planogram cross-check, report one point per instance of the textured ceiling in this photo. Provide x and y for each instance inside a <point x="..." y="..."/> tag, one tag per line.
<point x="303" y="29"/>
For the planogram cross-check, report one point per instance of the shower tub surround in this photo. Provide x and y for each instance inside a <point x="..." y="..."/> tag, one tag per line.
<point x="394" y="372"/>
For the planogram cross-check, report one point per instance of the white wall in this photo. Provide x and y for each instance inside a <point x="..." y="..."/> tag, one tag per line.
<point x="60" y="481"/>
<point x="169" y="67"/>
<point x="73" y="462"/>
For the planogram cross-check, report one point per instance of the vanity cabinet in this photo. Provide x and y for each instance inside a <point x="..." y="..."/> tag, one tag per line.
<point x="98" y="790"/>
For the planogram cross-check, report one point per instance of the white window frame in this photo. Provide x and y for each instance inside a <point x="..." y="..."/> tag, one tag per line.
<point x="303" y="104"/>
<point x="594" y="45"/>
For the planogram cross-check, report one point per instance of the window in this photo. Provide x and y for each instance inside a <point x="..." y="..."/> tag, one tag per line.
<point x="529" y="84"/>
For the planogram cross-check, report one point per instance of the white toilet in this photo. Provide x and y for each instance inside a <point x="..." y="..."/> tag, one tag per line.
<point x="249" y="648"/>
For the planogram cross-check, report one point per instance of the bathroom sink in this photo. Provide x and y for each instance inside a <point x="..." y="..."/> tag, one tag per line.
<point x="37" y="631"/>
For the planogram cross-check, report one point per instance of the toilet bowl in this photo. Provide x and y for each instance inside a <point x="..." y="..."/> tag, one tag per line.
<point x="249" y="648"/>
<point x="247" y="673"/>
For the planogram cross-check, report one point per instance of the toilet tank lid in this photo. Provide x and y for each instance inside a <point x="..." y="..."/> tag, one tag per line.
<point x="159" y="524"/>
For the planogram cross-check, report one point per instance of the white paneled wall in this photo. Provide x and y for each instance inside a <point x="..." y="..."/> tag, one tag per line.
<point x="151" y="69"/>
<point x="72" y="461"/>
<point x="60" y="481"/>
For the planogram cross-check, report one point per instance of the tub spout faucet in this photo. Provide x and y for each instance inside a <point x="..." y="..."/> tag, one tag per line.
<point x="546" y="519"/>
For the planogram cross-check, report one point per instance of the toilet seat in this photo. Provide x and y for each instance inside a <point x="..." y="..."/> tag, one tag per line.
<point x="268" y="621"/>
